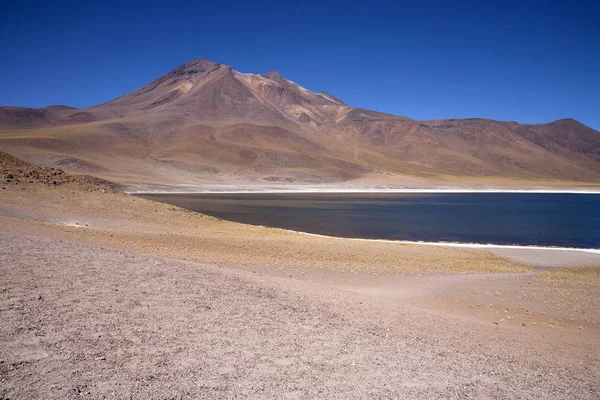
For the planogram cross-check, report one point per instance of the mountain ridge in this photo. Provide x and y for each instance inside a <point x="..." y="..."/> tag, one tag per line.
<point x="206" y="122"/>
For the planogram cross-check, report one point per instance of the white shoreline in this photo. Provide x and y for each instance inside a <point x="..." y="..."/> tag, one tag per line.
<point x="451" y="244"/>
<point x="366" y="191"/>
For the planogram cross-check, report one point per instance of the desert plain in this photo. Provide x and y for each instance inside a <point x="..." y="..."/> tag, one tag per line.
<point x="107" y="295"/>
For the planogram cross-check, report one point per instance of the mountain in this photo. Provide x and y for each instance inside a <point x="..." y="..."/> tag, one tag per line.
<point x="204" y="122"/>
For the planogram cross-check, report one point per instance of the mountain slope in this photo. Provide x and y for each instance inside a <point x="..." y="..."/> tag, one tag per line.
<point x="204" y="122"/>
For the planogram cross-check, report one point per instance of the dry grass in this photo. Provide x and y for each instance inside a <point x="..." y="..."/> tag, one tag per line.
<point x="562" y="297"/>
<point x="573" y="275"/>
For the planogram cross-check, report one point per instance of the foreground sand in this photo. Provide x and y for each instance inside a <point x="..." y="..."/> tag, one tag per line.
<point x="80" y="320"/>
<point x="105" y="295"/>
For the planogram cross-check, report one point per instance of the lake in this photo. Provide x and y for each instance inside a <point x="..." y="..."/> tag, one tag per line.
<point x="556" y="219"/>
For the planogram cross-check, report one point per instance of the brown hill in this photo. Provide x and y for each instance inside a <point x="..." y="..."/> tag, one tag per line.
<point x="204" y="122"/>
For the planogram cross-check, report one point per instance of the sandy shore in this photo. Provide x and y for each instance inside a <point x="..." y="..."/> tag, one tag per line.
<point x="106" y="295"/>
<point x="545" y="258"/>
<point x="536" y="256"/>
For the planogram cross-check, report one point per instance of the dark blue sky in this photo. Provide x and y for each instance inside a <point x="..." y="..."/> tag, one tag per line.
<point x="529" y="61"/>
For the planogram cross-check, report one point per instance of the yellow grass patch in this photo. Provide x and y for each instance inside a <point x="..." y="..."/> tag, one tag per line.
<point x="574" y="275"/>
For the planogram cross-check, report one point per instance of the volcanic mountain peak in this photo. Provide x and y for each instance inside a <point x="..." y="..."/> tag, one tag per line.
<point x="274" y="75"/>
<point x="204" y="119"/>
<point x="203" y="88"/>
<point x="198" y="66"/>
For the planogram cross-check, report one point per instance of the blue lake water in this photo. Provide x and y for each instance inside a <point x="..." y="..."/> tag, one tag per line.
<point x="563" y="220"/>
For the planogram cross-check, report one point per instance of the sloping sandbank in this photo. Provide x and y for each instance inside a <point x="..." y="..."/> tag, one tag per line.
<point x="536" y="256"/>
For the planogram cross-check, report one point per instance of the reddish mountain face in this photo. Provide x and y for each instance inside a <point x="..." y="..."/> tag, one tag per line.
<point x="205" y="122"/>
<point x="207" y="90"/>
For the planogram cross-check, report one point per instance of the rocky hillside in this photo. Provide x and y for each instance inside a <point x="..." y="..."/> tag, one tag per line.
<point x="15" y="172"/>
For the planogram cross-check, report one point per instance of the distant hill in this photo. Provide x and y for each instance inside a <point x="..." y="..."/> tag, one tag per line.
<point x="204" y="122"/>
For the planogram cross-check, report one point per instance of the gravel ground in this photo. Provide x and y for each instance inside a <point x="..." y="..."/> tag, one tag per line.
<point x="80" y="321"/>
<point x="103" y="295"/>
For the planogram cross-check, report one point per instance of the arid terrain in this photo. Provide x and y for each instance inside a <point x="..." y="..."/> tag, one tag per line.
<point x="206" y="123"/>
<point x="105" y="295"/>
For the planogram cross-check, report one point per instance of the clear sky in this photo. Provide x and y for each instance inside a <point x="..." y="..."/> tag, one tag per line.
<point x="528" y="61"/>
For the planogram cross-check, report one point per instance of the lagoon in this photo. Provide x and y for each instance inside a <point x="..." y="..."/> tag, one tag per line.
<point x="530" y="219"/>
